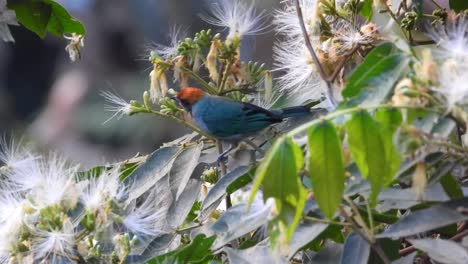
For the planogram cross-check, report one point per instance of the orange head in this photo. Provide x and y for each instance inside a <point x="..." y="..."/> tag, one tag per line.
<point x="188" y="96"/>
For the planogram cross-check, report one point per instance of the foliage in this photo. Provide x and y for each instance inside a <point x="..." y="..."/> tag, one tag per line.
<point x="378" y="177"/>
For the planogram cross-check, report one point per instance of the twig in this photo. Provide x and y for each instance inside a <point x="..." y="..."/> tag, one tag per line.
<point x="314" y="56"/>
<point x="195" y="76"/>
<point x="342" y="63"/>
<point x="244" y="90"/>
<point x="357" y="229"/>
<point x="222" y="166"/>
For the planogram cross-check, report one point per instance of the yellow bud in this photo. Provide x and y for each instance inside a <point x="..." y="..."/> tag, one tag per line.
<point x="419" y="180"/>
<point x="211" y="60"/>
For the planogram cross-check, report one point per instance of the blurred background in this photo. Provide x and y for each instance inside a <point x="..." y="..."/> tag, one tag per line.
<point x="56" y="104"/>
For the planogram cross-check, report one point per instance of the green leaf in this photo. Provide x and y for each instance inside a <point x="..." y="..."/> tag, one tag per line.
<point x="41" y="16"/>
<point x="381" y="61"/>
<point x="451" y="186"/>
<point x="366" y="10"/>
<point x="197" y="252"/>
<point x="278" y="174"/>
<point x="390" y="120"/>
<point x="61" y="22"/>
<point x="33" y="15"/>
<point x="458" y="5"/>
<point x="326" y="167"/>
<point x="367" y="148"/>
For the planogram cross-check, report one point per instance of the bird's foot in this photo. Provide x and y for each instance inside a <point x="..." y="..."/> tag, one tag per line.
<point x="221" y="158"/>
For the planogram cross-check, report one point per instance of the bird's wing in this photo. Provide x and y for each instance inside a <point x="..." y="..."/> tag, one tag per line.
<point x="226" y="118"/>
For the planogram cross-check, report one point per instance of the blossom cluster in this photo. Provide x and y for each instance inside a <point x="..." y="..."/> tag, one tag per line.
<point x="52" y="213"/>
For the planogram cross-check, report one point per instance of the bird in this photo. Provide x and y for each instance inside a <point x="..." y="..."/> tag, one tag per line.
<point x="229" y="120"/>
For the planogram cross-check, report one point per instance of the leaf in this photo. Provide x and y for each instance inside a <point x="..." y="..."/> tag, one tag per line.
<point x="396" y="198"/>
<point x="61" y="22"/>
<point x="33" y="15"/>
<point x="45" y="15"/>
<point x="217" y="193"/>
<point x="381" y="61"/>
<point x="331" y="253"/>
<point x="238" y="221"/>
<point x="197" y="252"/>
<point x="183" y="167"/>
<point x="427" y="219"/>
<point x="406" y="259"/>
<point x="451" y="186"/>
<point x="181" y="207"/>
<point x="260" y="253"/>
<point x="458" y="5"/>
<point x="444" y="251"/>
<point x="366" y="145"/>
<point x="307" y="231"/>
<point x="326" y="167"/>
<point x="366" y="10"/>
<point x="153" y="169"/>
<point x="356" y="250"/>
<point x="278" y="174"/>
<point x="390" y="120"/>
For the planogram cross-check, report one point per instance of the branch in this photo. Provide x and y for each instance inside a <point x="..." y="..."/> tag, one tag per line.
<point x="314" y="56"/>
<point x="222" y="165"/>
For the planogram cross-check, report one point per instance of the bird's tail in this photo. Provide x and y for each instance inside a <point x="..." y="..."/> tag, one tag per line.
<point x="295" y="111"/>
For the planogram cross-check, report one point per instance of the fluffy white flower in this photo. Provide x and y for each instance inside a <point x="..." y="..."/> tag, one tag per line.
<point x="453" y="79"/>
<point x="116" y="104"/>
<point x="299" y="76"/>
<point x="101" y="188"/>
<point x="287" y="22"/>
<point x="49" y="182"/>
<point x="74" y="47"/>
<point x="292" y="59"/>
<point x="11" y="220"/>
<point x="167" y="51"/>
<point x="237" y="16"/>
<point x="16" y="157"/>
<point x="54" y="246"/>
<point x="452" y="39"/>
<point x="145" y="219"/>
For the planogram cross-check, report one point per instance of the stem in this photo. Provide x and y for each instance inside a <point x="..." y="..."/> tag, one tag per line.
<point x="224" y="79"/>
<point x="222" y="166"/>
<point x="335" y="114"/>
<point x="371" y="218"/>
<point x="195" y="76"/>
<point x="342" y="63"/>
<point x="314" y="56"/>
<point x="325" y="221"/>
<point x="358" y="230"/>
<point x="437" y="4"/>
<point x="180" y="121"/>
<point x="183" y="230"/>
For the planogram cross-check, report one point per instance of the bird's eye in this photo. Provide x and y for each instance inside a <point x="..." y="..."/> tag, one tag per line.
<point x="184" y="104"/>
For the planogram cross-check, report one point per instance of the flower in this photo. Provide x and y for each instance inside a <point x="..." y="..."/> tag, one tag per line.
<point x="74" y="47"/>
<point x="235" y="15"/>
<point x="101" y="188"/>
<point x="452" y="39"/>
<point x="56" y="244"/>
<point x="292" y="59"/>
<point x="453" y="79"/>
<point x="145" y="219"/>
<point x="15" y="157"/>
<point x="7" y="17"/>
<point x="11" y="220"/>
<point x="117" y="104"/>
<point x="167" y="51"/>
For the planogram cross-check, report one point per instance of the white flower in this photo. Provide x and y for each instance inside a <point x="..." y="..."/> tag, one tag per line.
<point x="167" y="51"/>
<point x="299" y="76"/>
<point x="15" y="157"/>
<point x="49" y="182"/>
<point x="116" y="104"/>
<point x="101" y="188"/>
<point x="145" y="219"/>
<point x="237" y="16"/>
<point x="292" y="58"/>
<point x="74" y="47"/>
<point x="287" y="22"/>
<point x="453" y="79"/>
<point x="54" y="245"/>
<point x="452" y="39"/>
<point x="11" y="220"/>
<point x="7" y="17"/>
